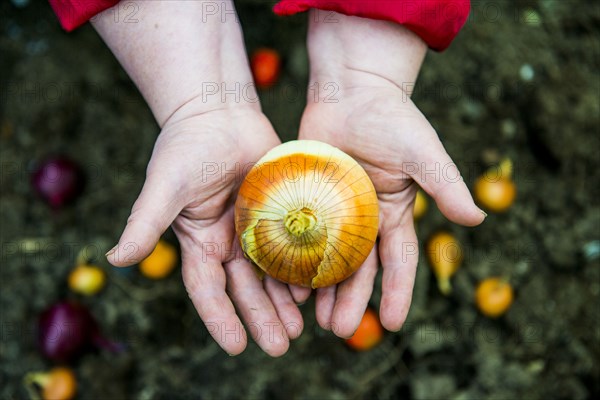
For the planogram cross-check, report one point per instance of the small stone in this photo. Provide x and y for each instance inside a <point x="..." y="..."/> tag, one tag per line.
<point x="526" y="72"/>
<point x="508" y="128"/>
<point x="427" y="337"/>
<point x="433" y="386"/>
<point x="20" y="3"/>
<point x="536" y="366"/>
<point x="591" y="250"/>
<point x="521" y="268"/>
<point x="532" y="17"/>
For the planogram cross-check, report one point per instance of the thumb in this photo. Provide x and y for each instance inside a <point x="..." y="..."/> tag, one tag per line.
<point x="153" y="212"/>
<point x="439" y="176"/>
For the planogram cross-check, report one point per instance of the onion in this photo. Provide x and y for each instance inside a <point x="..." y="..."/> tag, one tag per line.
<point x="67" y="330"/>
<point x="58" y="180"/>
<point x="307" y="214"/>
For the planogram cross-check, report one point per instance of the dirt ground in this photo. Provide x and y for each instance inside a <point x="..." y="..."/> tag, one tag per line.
<point x="520" y="81"/>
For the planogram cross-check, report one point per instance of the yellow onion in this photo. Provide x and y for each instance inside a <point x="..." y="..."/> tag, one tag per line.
<point x="307" y="214"/>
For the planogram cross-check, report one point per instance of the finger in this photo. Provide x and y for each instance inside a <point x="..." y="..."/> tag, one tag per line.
<point x="153" y="212"/>
<point x="399" y="253"/>
<point x="353" y="296"/>
<point x="205" y="284"/>
<point x="286" y="308"/>
<point x="300" y="294"/>
<point x="324" y="303"/>
<point x="438" y="175"/>
<point x="255" y="307"/>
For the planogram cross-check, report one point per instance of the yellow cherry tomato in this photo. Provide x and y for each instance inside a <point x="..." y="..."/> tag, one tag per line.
<point x="495" y="195"/>
<point x="87" y="279"/>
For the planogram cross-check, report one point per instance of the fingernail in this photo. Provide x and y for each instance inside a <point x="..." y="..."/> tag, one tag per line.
<point x="231" y="355"/>
<point x="300" y="304"/>
<point x="111" y="251"/>
<point x="483" y="212"/>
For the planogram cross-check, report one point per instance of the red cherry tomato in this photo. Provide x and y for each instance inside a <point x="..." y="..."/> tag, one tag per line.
<point x="265" y="64"/>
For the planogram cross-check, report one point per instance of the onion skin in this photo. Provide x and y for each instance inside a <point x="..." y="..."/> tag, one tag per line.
<point x="307" y="214"/>
<point x="58" y="181"/>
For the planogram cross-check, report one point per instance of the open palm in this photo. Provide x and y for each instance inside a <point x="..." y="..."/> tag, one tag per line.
<point x="192" y="179"/>
<point x="384" y="131"/>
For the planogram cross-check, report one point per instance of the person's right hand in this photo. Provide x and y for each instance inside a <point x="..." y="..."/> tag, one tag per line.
<point x="192" y="69"/>
<point x="192" y="179"/>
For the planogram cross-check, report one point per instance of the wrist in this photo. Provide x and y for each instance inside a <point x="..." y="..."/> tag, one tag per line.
<point x="182" y="58"/>
<point x="353" y="52"/>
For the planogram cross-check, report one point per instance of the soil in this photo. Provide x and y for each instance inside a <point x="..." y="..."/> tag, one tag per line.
<point x="519" y="81"/>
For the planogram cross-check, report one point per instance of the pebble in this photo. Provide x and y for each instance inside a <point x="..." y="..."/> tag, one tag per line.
<point x="472" y="110"/>
<point x="508" y="128"/>
<point x="299" y="61"/>
<point x="536" y="366"/>
<point x="521" y="268"/>
<point x="35" y="47"/>
<point x="532" y="17"/>
<point x="425" y="386"/>
<point x="20" y="3"/>
<point x="591" y="250"/>
<point x="526" y="72"/>
<point x="427" y="337"/>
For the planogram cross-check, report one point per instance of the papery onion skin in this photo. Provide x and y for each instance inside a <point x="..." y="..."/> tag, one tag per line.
<point x="307" y="214"/>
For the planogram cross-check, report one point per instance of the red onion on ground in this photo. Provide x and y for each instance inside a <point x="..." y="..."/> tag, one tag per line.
<point x="67" y="330"/>
<point x="58" y="180"/>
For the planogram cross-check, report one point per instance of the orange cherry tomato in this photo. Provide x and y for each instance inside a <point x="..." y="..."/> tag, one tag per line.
<point x="495" y="195"/>
<point x="369" y="333"/>
<point x="57" y="384"/>
<point x="61" y="385"/>
<point x="160" y="262"/>
<point x="266" y="65"/>
<point x="494" y="296"/>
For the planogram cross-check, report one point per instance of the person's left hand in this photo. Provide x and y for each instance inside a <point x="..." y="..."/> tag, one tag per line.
<point x="373" y="120"/>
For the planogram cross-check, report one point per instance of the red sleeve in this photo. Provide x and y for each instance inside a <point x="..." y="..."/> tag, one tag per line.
<point x="73" y="13"/>
<point x="437" y="22"/>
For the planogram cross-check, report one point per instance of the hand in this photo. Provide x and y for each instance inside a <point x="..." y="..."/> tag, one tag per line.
<point x="192" y="179"/>
<point x="375" y="122"/>
<point x="199" y="89"/>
